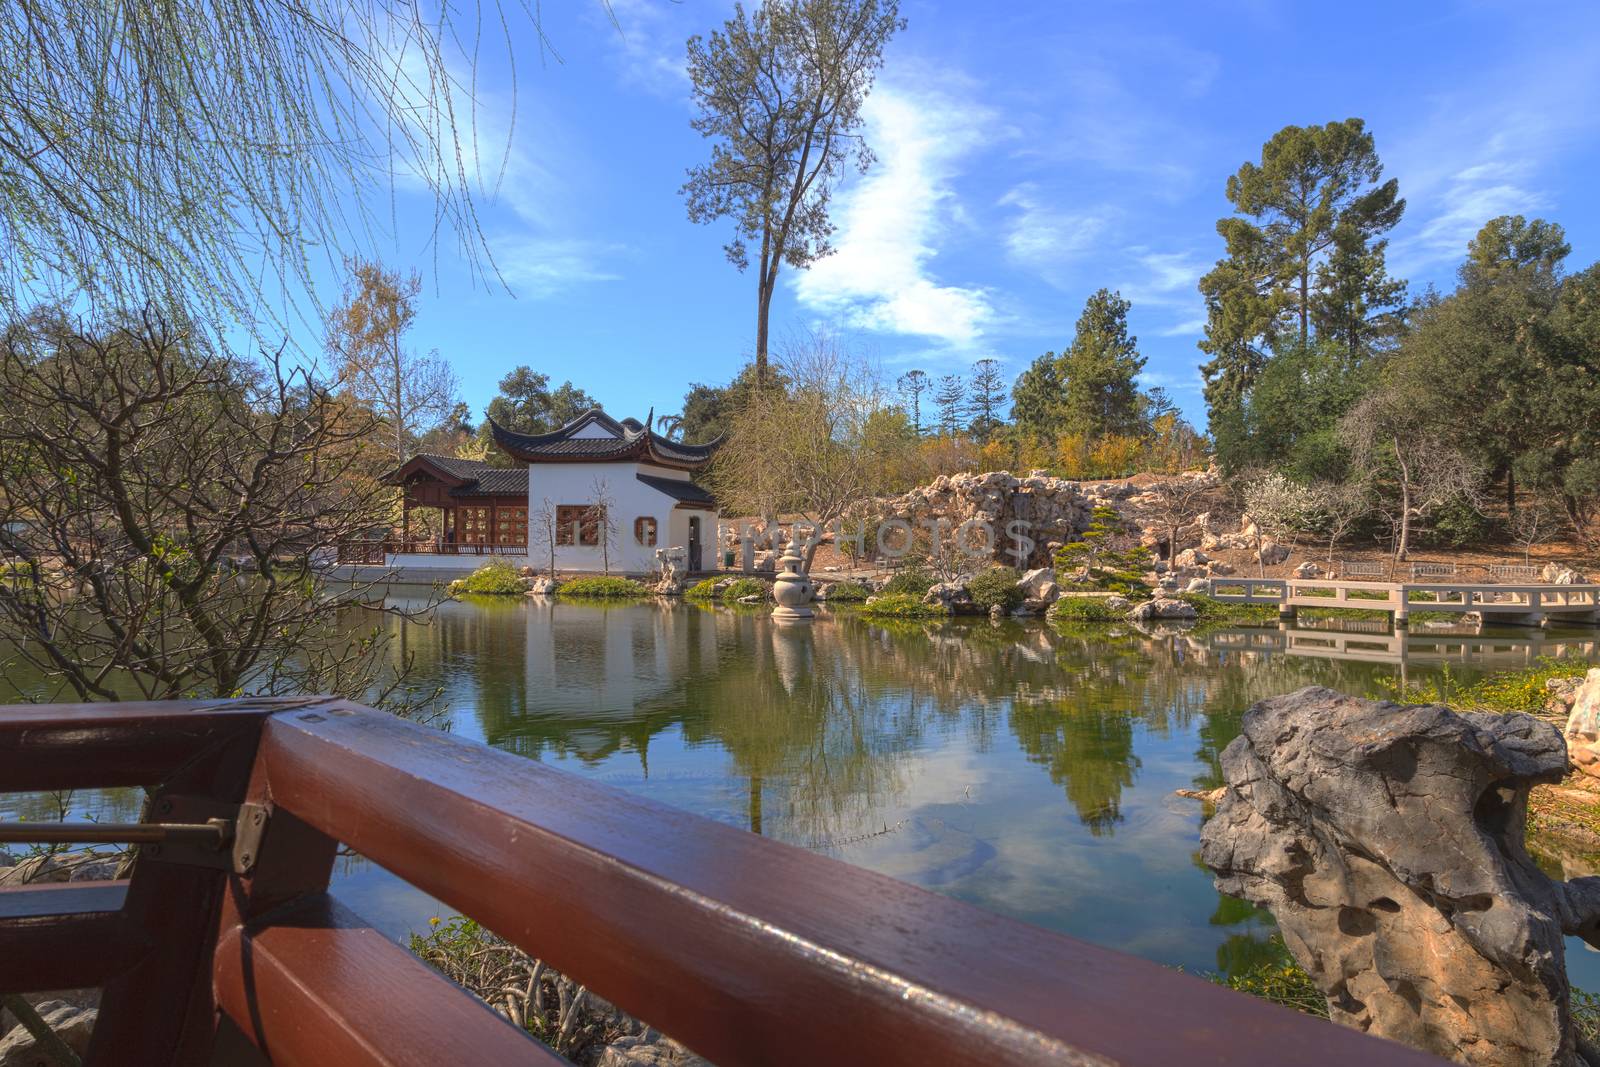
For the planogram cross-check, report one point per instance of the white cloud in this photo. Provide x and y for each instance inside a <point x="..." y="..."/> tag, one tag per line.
<point x="891" y="221"/>
<point x="1044" y="236"/>
<point x="507" y="152"/>
<point x="650" y="38"/>
<point x="1468" y="198"/>
<point x="540" y="267"/>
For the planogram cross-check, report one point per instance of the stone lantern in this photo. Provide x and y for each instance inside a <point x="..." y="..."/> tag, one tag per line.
<point x="792" y="589"/>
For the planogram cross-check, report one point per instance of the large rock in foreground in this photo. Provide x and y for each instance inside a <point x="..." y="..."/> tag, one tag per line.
<point x="1388" y="843"/>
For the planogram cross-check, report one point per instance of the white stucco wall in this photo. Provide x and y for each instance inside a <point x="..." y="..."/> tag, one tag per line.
<point x="574" y="483"/>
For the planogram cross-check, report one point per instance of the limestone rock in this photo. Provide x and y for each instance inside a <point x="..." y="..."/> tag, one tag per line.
<point x="1118" y="602"/>
<point x="94" y="871"/>
<point x="997" y="612"/>
<point x="1562" y="693"/>
<point x="1191" y="557"/>
<point x="1387" y="841"/>
<point x="1040" y="584"/>
<point x="648" y="1050"/>
<point x="1308" y="569"/>
<point x="71" y="1023"/>
<point x="1272" y="553"/>
<point x="1162" y="608"/>
<point x="544" y="586"/>
<point x="1556" y="574"/>
<point x="953" y="595"/>
<point x="1198" y="585"/>
<point x="1583" y="726"/>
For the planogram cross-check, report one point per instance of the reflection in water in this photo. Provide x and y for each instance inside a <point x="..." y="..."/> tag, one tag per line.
<point x="1024" y="769"/>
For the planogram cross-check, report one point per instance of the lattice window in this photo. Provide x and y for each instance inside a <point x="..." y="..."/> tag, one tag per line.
<point x="511" y="526"/>
<point x="582" y="519"/>
<point x="474" y="525"/>
<point x="644" y="531"/>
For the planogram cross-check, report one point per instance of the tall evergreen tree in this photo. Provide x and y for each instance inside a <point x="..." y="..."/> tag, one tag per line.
<point x="987" y="395"/>
<point x="1304" y="256"/>
<point x="912" y="384"/>
<point x="1036" y="398"/>
<point x="1101" y="369"/>
<point x="951" y="400"/>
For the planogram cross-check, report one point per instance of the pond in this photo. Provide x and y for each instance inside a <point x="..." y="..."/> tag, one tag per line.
<point x="1024" y="769"/>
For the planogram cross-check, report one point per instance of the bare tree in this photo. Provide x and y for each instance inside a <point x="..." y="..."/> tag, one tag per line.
<point x="816" y="450"/>
<point x="542" y="531"/>
<point x="779" y="91"/>
<point x="1428" y="471"/>
<point x="408" y="392"/>
<point x="1535" y="524"/>
<point x="1176" y="503"/>
<point x="601" y="517"/>
<point x="143" y="473"/>
<point x="1342" y="505"/>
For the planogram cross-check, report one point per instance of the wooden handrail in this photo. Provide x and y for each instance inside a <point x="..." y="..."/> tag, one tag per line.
<point x="747" y="950"/>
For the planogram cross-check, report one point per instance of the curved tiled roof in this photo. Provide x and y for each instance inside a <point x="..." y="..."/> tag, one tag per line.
<point x="628" y="440"/>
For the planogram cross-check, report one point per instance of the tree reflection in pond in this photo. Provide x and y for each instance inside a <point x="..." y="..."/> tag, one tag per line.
<point x="1025" y="769"/>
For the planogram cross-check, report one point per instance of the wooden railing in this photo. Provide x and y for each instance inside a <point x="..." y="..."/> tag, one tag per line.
<point x="747" y="950"/>
<point x="378" y="552"/>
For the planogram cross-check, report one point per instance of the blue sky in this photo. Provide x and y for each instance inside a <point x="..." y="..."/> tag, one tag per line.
<point x="1028" y="154"/>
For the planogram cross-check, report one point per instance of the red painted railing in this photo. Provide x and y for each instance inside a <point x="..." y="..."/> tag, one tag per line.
<point x="746" y="950"/>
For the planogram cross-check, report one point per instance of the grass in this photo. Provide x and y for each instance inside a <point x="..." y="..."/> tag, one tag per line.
<point x="602" y="588"/>
<point x="1503" y="691"/>
<point x="902" y="606"/>
<point x="910" y="581"/>
<point x="996" y="586"/>
<point x="1211" y="610"/>
<point x="495" y="578"/>
<point x="743" y="587"/>
<point x="1281" y="981"/>
<point x="847" y="591"/>
<point x="1085" y="609"/>
<point x="705" y="589"/>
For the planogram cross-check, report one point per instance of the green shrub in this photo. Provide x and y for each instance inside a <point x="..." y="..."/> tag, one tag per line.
<point x="910" y="581"/>
<point x="847" y="591"/>
<point x="1085" y="609"/>
<point x="495" y="578"/>
<point x="1518" y="690"/>
<point x="702" y="590"/>
<point x="996" y="586"/>
<point x="744" y="587"/>
<point x="902" y="606"/>
<point x="1209" y="609"/>
<point x="602" y="587"/>
<point x="1281" y="981"/>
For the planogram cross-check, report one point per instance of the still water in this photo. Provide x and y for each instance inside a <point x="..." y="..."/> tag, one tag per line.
<point x="1021" y="768"/>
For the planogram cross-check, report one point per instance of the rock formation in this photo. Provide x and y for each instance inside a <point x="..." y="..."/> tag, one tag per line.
<point x="1583" y="726"/>
<point x="1388" y="843"/>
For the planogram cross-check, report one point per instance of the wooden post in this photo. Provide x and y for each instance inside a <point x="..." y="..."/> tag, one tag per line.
<point x="405" y="520"/>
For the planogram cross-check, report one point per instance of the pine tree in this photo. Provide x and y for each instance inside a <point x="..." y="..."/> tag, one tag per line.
<point x="1101" y="371"/>
<point x="1036" y="398"/>
<point x="1304" y="260"/>
<point x="912" y="384"/>
<point x="988" y="396"/>
<point x="951" y="399"/>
